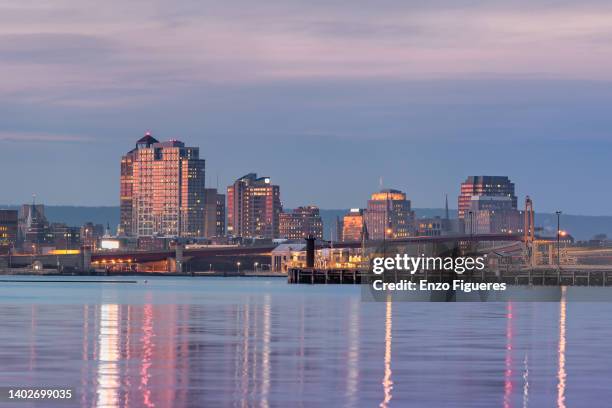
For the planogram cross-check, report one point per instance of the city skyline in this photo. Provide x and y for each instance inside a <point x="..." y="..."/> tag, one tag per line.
<point x="421" y="95"/>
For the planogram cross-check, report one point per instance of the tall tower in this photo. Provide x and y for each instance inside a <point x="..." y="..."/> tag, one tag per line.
<point x="389" y="215"/>
<point x="485" y="186"/>
<point x="162" y="189"/>
<point x="253" y="207"/>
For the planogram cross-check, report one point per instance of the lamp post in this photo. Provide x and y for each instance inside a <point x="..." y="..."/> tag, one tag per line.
<point x="238" y="265"/>
<point x="558" y="238"/>
<point x="255" y="266"/>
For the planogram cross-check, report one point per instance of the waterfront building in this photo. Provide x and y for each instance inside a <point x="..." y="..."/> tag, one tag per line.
<point x="162" y="190"/>
<point x="486" y="186"/>
<point x="389" y="215"/>
<point x="253" y="208"/>
<point x="214" y="213"/>
<point x="8" y="229"/>
<point x="285" y="256"/>
<point x="354" y="226"/>
<point x="293" y="255"/>
<point x="300" y="223"/>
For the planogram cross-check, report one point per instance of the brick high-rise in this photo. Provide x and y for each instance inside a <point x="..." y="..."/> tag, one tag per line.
<point x="253" y="207"/>
<point x="300" y="223"/>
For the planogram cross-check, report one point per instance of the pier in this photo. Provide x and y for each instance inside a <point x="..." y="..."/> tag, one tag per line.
<point x="535" y="276"/>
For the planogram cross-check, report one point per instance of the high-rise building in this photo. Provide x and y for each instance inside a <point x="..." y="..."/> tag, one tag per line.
<point x="214" y="213"/>
<point x="253" y="207"/>
<point x="126" y="199"/>
<point x="8" y="227"/>
<point x="300" y="223"/>
<point x="389" y="215"/>
<point x="489" y="186"/>
<point x="162" y="190"/>
<point x="339" y="227"/>
<point x="493" y="215"/>
<point x="354" y="226"/>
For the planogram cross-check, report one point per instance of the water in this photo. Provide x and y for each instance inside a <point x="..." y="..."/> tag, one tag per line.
<point x="213" y="342"/>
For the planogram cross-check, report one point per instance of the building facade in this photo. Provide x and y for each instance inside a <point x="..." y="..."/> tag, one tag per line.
<point x="495" y="222"/>
<point x="253" y="208"/>
<point x="354" y="226"/>
<point x="300" y="223"/>
<point x="431" y="226"/>
<point x="214" y="213"/>
<point x="487" y="186"/>
<point x="33" y="228"/>
<point x="9" y="220"/>
<point x="162" y="190"/>
<point x="91" y="234"/>
<point x="389" y="215"/>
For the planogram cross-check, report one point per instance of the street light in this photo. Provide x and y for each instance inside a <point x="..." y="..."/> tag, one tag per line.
<point x="255" y="266"/>
<point x="238" y="265"/>
<point x="558" y="238"/>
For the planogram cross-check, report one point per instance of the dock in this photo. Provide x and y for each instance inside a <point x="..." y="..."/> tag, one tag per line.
<point x="535" y="276"/>
<point x="326" y="276"/>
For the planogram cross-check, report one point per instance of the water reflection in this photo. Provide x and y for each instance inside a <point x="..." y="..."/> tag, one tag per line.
<point x="561" y="376"/>
<point x="147" y="356"/>
<point x="352" y="359"/>
<point x="265" y="349"/>
<point x="108" y="357"/>
<point x="387" y="382"/>
<point x="508" y="386"/>
<point x="526" y="382"/>
<point x="265" y="371"/>
<point x="244" y="355"/>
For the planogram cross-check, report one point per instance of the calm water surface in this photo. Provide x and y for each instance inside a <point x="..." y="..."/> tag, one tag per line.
<point x="241" y="342"/>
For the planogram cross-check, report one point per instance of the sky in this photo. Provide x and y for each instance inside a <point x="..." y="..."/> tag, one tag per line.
<point x="328" y="98"/>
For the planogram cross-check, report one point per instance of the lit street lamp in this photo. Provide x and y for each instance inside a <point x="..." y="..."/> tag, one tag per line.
<point x="238" y="265"/>
<point x="255" y="266"/>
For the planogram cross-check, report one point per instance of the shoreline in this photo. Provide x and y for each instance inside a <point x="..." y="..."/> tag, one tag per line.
<point x="249" y="274"/>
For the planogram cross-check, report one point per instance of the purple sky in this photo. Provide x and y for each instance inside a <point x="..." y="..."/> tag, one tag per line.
<point x="325" y="97"/>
